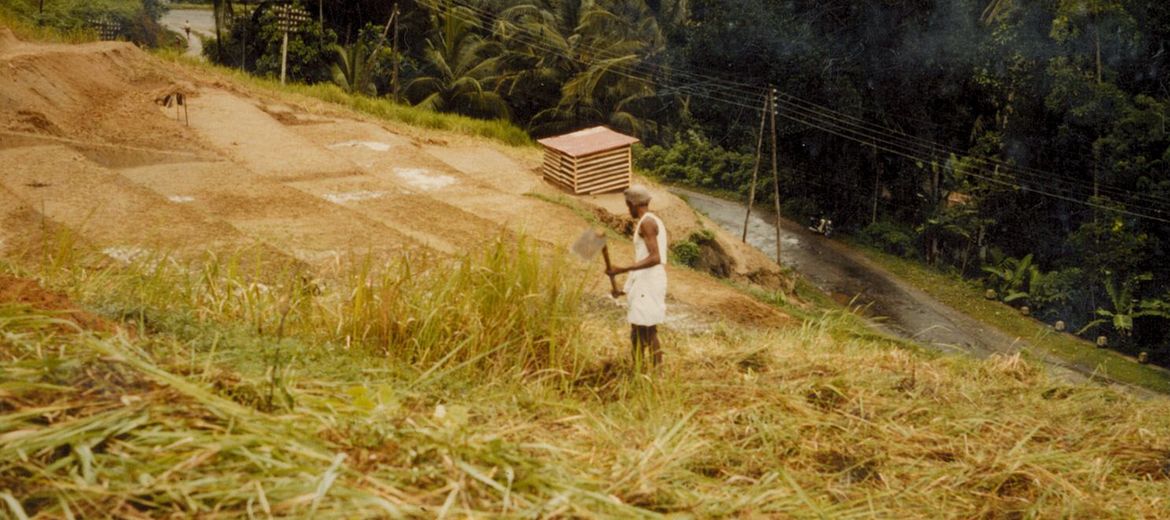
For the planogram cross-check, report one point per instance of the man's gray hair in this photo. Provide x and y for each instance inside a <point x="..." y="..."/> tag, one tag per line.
<point x="637" y="195"/>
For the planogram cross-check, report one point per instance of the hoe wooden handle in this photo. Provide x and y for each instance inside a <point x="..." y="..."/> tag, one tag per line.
<point x="612" y="281"/>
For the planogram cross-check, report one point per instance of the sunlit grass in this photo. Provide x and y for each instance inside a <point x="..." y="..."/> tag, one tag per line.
<point x="421" y="387"/>
<point x="969" y="300"/>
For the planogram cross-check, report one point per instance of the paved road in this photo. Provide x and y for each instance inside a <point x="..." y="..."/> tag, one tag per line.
<point x="895" y="306"/>
<point x="202" y="24"/>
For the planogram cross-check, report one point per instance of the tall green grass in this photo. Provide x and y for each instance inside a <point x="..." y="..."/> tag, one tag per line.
<point x="95" y="427"/>
<point x="506" y="310"/>
<point x="391" y="411"/>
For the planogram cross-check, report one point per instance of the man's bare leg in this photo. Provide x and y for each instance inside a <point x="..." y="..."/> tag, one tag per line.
<point x="655" y="346"/>
<point x="645" y="339"/>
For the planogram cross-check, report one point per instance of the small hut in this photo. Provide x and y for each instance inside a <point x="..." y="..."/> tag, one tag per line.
<point x="594" y="160"/>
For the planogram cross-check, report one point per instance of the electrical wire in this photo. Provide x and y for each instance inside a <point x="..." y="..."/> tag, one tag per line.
<point x="836" y="123"/>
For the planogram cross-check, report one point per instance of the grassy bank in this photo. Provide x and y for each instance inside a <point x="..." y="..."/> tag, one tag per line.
<point x="382" y="108"/>
<point x="19" y="23"/>
<point x="193" y="4"/>
<point x="968" y="299"/>
<point x="491" y="386"/>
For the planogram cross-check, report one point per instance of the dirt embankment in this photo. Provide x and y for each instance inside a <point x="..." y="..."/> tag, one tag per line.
<point x="89" y="147"/>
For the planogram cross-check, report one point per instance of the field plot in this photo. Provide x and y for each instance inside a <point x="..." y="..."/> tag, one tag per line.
<point x="250" y="171"/>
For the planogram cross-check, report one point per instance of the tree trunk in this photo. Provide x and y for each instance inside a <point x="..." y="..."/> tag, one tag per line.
<point x="218" y="15"/>
<point x="1097" y="48"/>
<point x="756" y="169"/>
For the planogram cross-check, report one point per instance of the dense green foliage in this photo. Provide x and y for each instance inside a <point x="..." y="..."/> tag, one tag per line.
<point x="135" y="20"/>
<point x="699" y="162"/>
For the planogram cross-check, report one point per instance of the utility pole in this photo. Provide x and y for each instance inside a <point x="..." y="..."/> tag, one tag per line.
<point x="756" y="168"/>
<point x="877" y="186"/>
<point x="284" y="57"/>
<point x="776" y="176"/>
<point x="394" y="50"/>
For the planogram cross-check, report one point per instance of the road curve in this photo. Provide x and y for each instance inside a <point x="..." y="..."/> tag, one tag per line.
<point x="893" y="305"/>
<point x="202" y="24"/>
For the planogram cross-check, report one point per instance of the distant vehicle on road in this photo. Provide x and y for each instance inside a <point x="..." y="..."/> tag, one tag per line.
<point x="821" y="226"/>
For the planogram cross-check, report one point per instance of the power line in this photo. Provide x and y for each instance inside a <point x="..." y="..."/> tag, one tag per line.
<point x="734" y="96"/>
<point x="830" y="121"/>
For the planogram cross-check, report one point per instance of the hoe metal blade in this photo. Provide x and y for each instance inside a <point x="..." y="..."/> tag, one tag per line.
<point x="588" y="244"/>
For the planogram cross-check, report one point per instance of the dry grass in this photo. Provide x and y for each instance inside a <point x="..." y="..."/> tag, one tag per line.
<point x="175" y="415"/>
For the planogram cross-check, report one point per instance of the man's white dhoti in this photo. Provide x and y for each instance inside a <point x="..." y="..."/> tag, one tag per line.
<point x="646" y="288"/>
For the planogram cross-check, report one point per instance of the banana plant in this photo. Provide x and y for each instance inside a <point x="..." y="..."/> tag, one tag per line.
<point x="1010" y="275"/>
<point x="1126" y="308"/>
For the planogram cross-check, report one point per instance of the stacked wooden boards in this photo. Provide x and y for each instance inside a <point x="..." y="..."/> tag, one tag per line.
<point x="594" y="160"/>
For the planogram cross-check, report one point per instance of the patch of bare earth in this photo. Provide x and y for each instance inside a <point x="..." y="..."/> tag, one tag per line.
<point x="93" y="149"/>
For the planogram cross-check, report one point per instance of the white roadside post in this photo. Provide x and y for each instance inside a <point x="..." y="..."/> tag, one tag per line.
<point x="290" y="18"/>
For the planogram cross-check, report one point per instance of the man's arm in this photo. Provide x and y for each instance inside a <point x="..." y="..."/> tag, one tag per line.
<point x="649" y="233"/>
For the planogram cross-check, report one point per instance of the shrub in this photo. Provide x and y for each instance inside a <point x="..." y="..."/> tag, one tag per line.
<point x="309" y="59"/>
<point x="889" y="237"/>
<point x="1056" y="293"/>
<point x="137" y="19"/>
<point x="685" y="252"/>
<point x="695" y="160"/>
<point x="688" y="252"/>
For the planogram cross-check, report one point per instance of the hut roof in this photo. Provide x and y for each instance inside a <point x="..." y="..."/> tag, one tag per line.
<point x="588" y="141"/>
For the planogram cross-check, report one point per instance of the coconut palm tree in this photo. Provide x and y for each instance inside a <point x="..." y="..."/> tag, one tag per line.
<point x="353" y="67"/>
<point x="461" y="67"/>
<point x="595" y="52"/>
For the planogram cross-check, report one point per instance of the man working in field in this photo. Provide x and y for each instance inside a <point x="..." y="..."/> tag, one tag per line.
<point x="646" y="285"/>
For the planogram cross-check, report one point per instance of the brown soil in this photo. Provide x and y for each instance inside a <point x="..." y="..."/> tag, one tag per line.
<point x="92" y="151"/>
<point x="728" y="257"/>
<point x="28" y="292"/>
